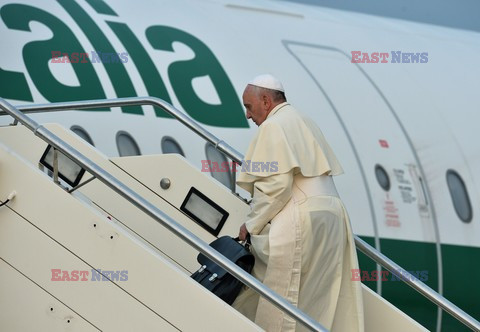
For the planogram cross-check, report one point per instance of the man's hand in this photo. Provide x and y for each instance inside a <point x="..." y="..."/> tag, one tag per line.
<point x="242" y="234"/>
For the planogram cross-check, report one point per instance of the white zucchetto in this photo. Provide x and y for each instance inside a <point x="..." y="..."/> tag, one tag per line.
<point x="267" y="81"/>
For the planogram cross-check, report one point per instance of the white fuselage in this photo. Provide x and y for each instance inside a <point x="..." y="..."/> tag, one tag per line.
<point x="415" y="121"/>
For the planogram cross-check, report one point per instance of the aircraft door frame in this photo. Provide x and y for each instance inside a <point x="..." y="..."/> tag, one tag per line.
<point x="408" y="176"/>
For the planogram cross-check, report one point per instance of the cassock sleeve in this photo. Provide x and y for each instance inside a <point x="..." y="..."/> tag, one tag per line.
<point x="270" y="195"/>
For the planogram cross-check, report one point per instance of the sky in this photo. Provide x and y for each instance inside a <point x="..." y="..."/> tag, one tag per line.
<point x="460" y="14"/>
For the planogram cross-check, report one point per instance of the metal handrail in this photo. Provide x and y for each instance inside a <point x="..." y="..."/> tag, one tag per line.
<point x="134" y="101"/>
<point x="156" y="213"/>
<point x="416" y="284"/>
<point x="374" y="254"/>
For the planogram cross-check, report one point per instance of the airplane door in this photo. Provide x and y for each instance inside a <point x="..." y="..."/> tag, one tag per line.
<point x="405" y="222"/>
<point x="390" y="165"/>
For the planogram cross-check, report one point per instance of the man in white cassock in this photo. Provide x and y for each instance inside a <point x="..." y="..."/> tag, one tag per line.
<point x="300" y="231"/>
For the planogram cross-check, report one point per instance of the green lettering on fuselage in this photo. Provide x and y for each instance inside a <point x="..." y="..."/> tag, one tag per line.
<point x="229" y="112"/>
<point x="145" y="66"/>
<point x="116" y="71"/>
<point x="37" y="54"/>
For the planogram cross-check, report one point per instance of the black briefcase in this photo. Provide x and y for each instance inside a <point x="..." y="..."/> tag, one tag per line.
<point x="215" y="278"/>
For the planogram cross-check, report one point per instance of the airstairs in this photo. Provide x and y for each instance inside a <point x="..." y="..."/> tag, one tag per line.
<point x="90" y="243"/>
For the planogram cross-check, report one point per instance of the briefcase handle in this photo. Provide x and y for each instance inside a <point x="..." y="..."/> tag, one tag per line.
<point x="247" y="243"/>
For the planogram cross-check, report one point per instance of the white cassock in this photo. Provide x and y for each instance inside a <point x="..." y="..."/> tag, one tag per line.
<point x="299" y="226"/>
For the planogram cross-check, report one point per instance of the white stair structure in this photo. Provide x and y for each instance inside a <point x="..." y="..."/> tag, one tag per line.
<point x="145" y="251"/>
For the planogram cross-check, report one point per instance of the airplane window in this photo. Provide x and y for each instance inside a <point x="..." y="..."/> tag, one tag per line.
<point x="82" y="133"/>
<point x="126" y="145"/>
<point x="217" y="158"/>
<point x="459" y="194"/>
<point x="170" y="145"/>
<point x="382" y="177"/>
